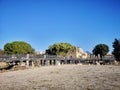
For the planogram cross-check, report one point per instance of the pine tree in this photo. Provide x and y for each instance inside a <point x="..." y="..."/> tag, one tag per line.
<point x="100" y="49"/>
<point x="116" y="50"/>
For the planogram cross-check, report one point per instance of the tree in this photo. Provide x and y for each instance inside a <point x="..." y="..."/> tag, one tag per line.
<point x="60" y="49"/>
<point x="100" y="49"/>
<point x="116" y="50"/>
<point x="18" y="47"/>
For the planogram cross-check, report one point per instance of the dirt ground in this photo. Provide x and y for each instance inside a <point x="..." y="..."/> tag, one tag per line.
<point x="64" y="77"/>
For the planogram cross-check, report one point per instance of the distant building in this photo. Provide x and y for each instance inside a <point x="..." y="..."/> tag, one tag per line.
<point x="109" y="56"/>
<point x="40" y="52"/>
<point x="78" y="53"/>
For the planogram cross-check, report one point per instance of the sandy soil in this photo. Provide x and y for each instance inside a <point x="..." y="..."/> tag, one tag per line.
<point x="64" y="77"/>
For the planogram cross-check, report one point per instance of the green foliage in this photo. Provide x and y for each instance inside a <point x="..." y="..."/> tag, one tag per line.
<point x="18" y="47"/>
<point x="100" y="49"/>
<point x="116" y="50"/>
<point x="60" y="49"/>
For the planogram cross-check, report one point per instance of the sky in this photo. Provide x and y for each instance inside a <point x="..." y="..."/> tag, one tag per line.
<point x="83" y="23"/>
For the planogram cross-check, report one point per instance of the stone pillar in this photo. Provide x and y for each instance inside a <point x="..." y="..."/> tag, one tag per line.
<point x="32" y="64"/>
<point x="27" y="63"/>
<point x="13" y="62"/>
<point x="47" y="62"/>
<point x="57" y="62"/>
<point x="27" y="56"/>
<point x="70" y="61"/>
<point x="97" y="63"/>
<point x="38" y="61"/>
<point x="44" y="56"/>
<point x="52" y="62"/>
<point x="65" y="61"/>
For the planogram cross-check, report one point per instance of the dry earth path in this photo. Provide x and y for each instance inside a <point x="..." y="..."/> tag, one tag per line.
<point x="64" y="77"/>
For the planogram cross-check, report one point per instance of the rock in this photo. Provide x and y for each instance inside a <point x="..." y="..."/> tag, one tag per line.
<point x="3" y="65"/>
<point x="116" y="62"/>
<point x="97" y="63"/>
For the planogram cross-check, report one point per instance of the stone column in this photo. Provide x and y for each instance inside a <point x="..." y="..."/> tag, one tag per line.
<point x="27" y="56"/>
<point x="27" y="63"/>
<point x="71" y="62"/>
<point x="65" y="61"/>
<point x="52" y="62"/>
<point x="32" y="64"/>
<point x="37" y="62"/>
<point x="57" y="62"/>
<point x="47" y="62"/>
<point x="44" y="56"/>
<point x="97" y="63"/>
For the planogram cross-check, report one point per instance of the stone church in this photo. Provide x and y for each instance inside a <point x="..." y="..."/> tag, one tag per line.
<point x="78" y="53"/>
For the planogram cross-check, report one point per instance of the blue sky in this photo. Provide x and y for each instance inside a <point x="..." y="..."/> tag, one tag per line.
<point x="83" y="23"/>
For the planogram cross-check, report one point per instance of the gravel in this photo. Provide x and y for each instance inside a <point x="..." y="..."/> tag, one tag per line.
<point x="64" y="77"/>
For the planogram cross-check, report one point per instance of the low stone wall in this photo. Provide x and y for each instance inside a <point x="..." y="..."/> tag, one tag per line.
<point x="33" y="62"/>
